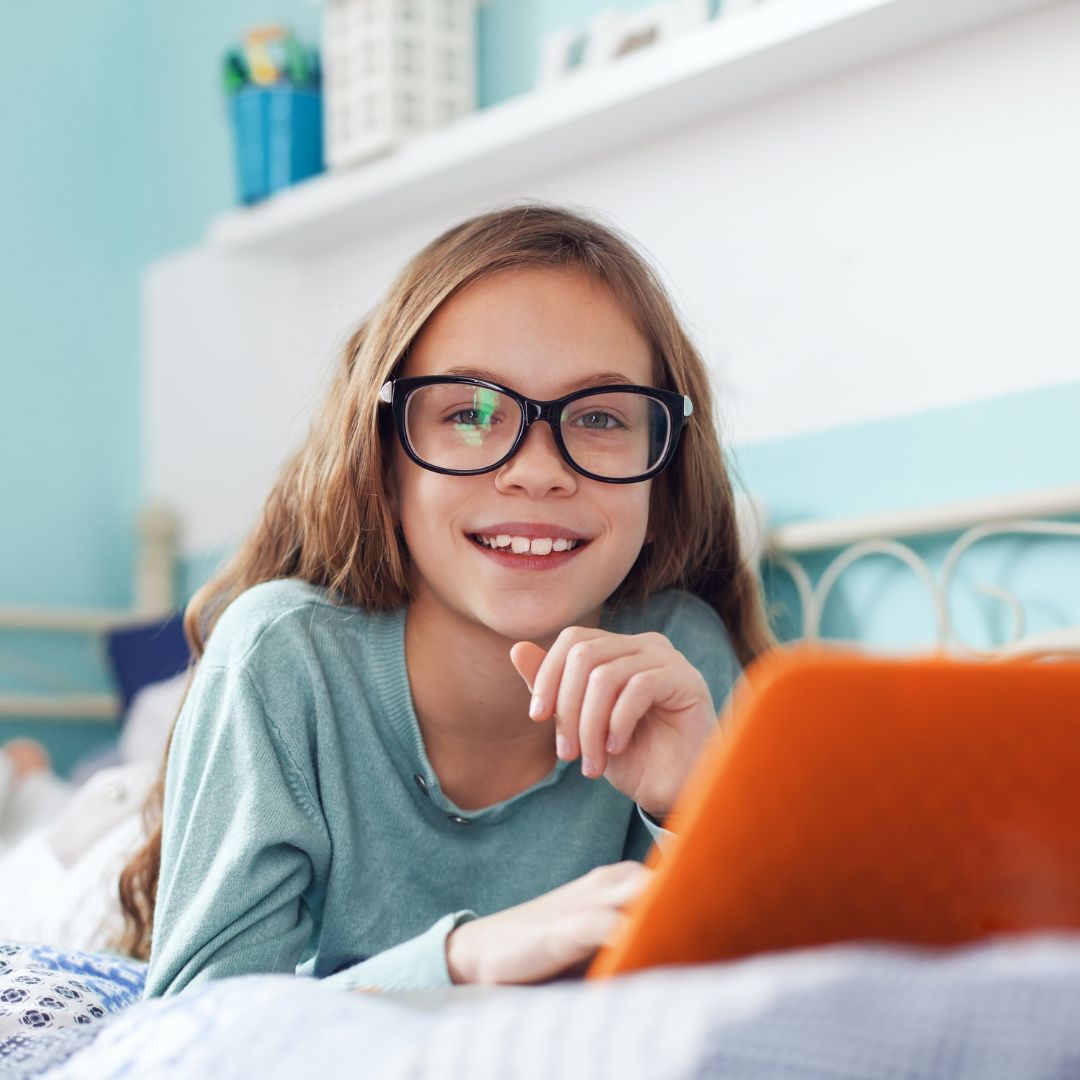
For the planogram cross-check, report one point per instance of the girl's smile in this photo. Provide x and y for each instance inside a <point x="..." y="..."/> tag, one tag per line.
<point x="529" y="545"/>
<point x="520" y="553"/>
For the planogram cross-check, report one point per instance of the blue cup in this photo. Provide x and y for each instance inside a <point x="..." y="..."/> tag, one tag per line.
<point x="279" y="141"/>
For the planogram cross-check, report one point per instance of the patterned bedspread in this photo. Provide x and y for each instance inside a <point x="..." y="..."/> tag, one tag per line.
<point x="1006" y="1009"/>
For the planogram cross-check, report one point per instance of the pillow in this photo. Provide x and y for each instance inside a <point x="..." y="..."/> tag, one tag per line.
<point x="140" y="656"/>
<point x="148" y="653"/>
<point x="150" y="719"/>
<point x="43" y="988"/>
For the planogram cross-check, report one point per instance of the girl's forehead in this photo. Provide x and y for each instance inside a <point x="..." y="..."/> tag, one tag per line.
<point x="543" y="325"/>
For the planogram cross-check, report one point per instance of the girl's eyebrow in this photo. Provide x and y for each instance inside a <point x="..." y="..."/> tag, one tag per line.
<point x="600" y="378"/>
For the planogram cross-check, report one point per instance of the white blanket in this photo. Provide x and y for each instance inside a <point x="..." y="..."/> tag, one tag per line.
<point x="1000" y="1011"/>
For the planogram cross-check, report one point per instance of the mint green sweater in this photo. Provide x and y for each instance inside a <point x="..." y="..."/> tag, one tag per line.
<point x="304" y="828"/>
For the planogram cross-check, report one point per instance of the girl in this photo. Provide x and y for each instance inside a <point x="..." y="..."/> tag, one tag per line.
<point x="508" y="545"/>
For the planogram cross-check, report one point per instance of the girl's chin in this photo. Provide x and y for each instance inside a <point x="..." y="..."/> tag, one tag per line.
<point x="518" y="622"/>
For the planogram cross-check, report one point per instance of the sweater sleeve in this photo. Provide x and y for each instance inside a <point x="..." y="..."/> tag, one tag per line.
<point x="661" y="837"/>
<point x="416" y="964"/>
<point x="242" y="839"/>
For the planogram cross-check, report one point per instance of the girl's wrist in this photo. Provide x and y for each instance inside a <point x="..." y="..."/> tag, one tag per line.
<point x="666" y="801"/>
<point x="457" y="964"/>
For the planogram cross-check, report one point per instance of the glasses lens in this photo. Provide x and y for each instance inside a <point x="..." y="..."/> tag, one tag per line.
<point x="616" y="435"/>
<point x="462" y="427"/>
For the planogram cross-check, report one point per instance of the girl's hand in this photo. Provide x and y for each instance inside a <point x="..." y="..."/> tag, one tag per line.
<point x="634" y="707"/>
<point x="556" y="934"/>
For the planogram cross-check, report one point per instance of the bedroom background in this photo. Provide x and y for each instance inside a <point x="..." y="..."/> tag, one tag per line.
<point x="878" y="263"/>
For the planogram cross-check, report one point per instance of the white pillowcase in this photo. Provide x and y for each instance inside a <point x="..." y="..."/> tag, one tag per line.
<point x="59" y="872"/>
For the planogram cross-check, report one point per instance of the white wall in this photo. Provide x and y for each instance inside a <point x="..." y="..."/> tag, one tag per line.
<point x="899" y="238"/>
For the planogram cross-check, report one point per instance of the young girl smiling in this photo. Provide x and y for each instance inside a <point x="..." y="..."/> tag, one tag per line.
<point x="508" y="545"/>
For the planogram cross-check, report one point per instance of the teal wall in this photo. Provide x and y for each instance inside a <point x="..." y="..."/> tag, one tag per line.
<point x="68" y="406"/>
<point x="117" y="151"/>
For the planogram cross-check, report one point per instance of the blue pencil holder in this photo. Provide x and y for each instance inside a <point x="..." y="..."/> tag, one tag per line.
<point x="279" y="141"/>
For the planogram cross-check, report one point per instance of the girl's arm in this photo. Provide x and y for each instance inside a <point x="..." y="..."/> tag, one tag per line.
<point x="242" y="838"/>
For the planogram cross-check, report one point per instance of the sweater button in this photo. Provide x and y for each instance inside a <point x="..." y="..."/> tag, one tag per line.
<point x="457" y="819"/>
<point x="421" y="783"/>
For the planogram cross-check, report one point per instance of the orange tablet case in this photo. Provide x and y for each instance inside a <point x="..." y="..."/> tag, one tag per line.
<point x="845" y="797"/>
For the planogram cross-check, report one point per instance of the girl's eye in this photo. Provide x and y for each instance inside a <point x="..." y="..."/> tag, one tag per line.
<point x="595" y="420"/>
<point x="471" y="418"/>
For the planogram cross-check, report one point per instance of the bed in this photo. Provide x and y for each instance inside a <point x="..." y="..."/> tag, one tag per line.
<point x="1003" y="1007"/>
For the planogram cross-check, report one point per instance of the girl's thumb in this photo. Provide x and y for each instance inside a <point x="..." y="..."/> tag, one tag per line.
<point x="527" y="658"/>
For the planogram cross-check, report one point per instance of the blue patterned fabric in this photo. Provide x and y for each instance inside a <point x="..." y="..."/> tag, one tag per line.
<point x="52" y="999"/>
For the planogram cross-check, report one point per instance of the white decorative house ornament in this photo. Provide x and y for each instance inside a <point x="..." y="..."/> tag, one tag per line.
<point x="394" y="69"/>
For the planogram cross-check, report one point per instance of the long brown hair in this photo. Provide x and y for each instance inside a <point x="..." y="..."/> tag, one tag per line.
<point x="327" y="518"/>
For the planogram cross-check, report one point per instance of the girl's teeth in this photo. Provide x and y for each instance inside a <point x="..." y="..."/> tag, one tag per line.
<point x="522" y="545"/>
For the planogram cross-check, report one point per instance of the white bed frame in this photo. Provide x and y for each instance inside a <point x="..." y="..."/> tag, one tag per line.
<point x="856" y="538"/>
<point x="1028" y="513"/>
<point x="155" y="598"/>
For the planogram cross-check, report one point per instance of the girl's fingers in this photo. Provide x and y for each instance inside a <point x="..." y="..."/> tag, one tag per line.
<point x="606" y="685"/>
<point x="667" y="687"/>
<point x="560" y="684"/>
<point x="527" y="658"/>
<point x="567" y="671"/>
<point x="640" y="692"/>
<point x="546" y="684"/>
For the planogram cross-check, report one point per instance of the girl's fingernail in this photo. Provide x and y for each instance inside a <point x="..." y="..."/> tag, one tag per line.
<point x="562" y="746"/>
<point x="612" y="745"/>
<point x="536" y="707"/>
<point x="587" y="766"/>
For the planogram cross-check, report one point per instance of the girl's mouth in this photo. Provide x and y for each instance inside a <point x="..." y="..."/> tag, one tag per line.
<point x="522" y="553"/>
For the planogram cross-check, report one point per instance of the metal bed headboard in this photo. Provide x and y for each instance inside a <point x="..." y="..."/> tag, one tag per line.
<point x="1028" y="513"/>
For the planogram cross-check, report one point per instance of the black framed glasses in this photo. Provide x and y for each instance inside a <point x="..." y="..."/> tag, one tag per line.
<point x="460" y="426"/>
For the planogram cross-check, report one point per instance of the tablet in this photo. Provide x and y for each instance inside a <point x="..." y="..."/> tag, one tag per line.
<point x="845" y="797"/>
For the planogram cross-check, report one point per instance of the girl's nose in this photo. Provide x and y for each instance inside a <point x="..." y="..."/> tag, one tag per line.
<point x="538" y="467"/>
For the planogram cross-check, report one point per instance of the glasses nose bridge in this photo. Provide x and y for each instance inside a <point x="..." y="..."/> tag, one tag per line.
<point x="532" y="411"/>
<point x="540" y="410"/>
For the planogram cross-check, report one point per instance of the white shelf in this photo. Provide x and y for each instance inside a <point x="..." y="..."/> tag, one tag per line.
<point x="726" y="64"/>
